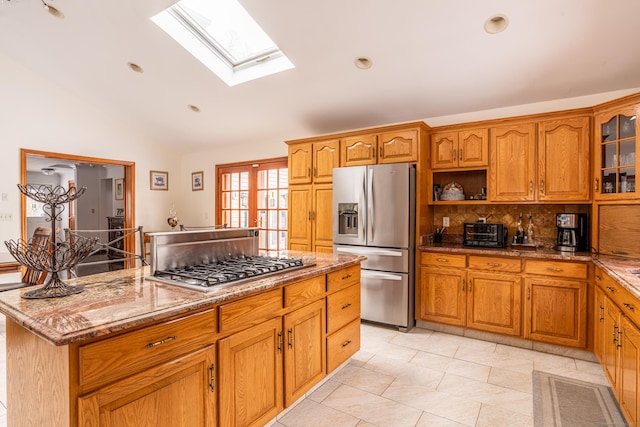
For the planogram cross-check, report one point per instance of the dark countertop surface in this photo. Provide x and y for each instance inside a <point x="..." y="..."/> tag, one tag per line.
<point x="123" y="299"/>
<point x="620" y="269"/>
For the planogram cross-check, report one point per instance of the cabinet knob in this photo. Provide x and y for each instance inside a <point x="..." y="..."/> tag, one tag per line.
<point x="542" y="186"/>
<point x="460" y="154"/>
<point x="531" y="187"/>
<point x="596" y="185"/>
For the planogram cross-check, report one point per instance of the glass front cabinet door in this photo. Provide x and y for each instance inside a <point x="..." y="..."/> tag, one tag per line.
<point x="616" y="155"/>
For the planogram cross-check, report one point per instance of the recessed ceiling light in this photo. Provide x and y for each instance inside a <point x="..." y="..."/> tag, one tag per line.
<point x="193" y="108"/>
<point x="363" y="63"/>
<point x="135" y="67"/>
<point x="496" y="24"/>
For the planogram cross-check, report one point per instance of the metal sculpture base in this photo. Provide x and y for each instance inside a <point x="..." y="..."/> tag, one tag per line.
<point x="53" y="289"/>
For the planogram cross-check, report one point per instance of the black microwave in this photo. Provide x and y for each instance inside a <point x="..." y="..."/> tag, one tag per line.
<point x="485" y="235"/>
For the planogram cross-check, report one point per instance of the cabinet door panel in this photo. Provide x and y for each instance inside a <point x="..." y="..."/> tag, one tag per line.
<point x="444" y="150"/>
<point x="360" y="150"/>
<point x="397" y="147"/>
<point x="326" y="156"/>
<point x="610" y="350"/>
<point x="250" y="375"/>
<point x="473" y="148"/>
<point x="512" y="171"/>
<point x="300" y="217"/>
<point x="305" y="353"/>
<point x="563" y="160"/>
<point x="629" y="370"/>
<point x="442" y="296"/>
<point x="494" y="303"/>
<point x="322" y="215"/>
<point x="177" y="393"/>
<point x="300" y="156"/>
<point x="556" y="311"/>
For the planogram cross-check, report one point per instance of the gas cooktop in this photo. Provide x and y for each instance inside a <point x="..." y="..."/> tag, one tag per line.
<point x="230" y="271"/>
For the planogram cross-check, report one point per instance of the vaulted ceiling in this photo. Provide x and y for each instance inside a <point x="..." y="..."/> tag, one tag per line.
<point x="430" y="58"/>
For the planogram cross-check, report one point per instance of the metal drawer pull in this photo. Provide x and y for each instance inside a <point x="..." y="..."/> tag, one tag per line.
<point x="346" y="343"/>
<point x="610" y="289"/>
<point x="628" y="306"/>
<point x="212" y="377"/>
<point x="554" y="269"/>
<point x="442" y="260"/>
<point x="494" y="264"/>
<point x="344" y="307"/>
<point x="598" y="277"/>
<point x="348" y="276"/>
<point x="157" y="343"/>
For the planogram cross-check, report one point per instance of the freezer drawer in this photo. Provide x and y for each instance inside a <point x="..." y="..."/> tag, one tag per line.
<point x="385" y="297"/>
<point x="380" y="259"/>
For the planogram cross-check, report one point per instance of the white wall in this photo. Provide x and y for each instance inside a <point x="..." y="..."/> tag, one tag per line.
<point x="40" y="116"/>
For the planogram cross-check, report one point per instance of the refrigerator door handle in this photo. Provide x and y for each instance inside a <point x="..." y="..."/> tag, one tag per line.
<point x="369" y="251"/>
<point x="362" y="199"/>
<point x="370" y="205"/>
<point x="378" y="275"/>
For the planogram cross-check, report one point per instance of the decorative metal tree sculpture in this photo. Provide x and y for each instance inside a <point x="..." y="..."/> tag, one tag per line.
<point x="52" y="257"/>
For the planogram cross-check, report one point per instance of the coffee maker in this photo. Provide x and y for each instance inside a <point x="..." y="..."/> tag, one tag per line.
<point x="573" y="232"/>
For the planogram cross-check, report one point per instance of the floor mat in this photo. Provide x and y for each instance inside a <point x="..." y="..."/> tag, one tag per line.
<point x="560" y="401"/>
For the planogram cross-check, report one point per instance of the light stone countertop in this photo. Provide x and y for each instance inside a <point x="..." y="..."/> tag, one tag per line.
<point x="123" y="299"/>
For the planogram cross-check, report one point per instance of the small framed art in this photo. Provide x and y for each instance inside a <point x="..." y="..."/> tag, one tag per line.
<point x="159" y="180"/>
<point x="119" y="189"/>
<point x="197" y="181"/>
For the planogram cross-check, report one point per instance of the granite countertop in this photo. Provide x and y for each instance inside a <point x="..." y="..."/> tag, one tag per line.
<point x="621" y="270"/>
<point x="123" y="299"/>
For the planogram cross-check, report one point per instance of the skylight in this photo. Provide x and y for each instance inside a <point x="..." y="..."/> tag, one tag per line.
<point x="223" y="36"/>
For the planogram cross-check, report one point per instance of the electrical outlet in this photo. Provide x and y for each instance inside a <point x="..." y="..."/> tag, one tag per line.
<point x="445" y="221"/>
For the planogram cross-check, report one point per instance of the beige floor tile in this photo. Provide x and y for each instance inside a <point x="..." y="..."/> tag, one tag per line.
<point x="406" y="372"/>
<point x="431" y="360"/>
<point x="430" y="420"/>
<point x="491" y="416"/>
<point x="469" y="370"/>
<point x="372" y="408"/>
<point x="512" y="380"/>
<point x="312" y="414"/>
<point x="324" y="391"/>
<point x="363" y="379"/>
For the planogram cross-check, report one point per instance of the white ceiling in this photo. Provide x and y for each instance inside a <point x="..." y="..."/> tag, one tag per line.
<point x="430" y="58"/>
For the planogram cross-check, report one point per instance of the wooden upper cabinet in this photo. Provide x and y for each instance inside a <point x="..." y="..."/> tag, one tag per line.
<point x="563" y="160"/>
<point x="468" y="148"/>
<point x="326" y="156"/>
<point x="313" y="162"/>
<point x="513" y="167"/>
<point x="398" y="147"/>
<point x="300" y="159"/>
<point x="359" y="150"/>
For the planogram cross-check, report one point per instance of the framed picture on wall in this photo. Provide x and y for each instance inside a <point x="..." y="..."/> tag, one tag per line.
<point x="159" y="180"/>
<point x="119" y="189"/>
<point x="197" y="181"/>
<point x="120" y="212"/>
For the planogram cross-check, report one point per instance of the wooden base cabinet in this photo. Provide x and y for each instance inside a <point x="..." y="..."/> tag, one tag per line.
<point x="442" y="296"/>
<point x="250" y="375"/>
<point x="305" y="351"/>
<point x="629" y="392"/>
<point x="179" y="393"/>
<point x="495" y="303"/>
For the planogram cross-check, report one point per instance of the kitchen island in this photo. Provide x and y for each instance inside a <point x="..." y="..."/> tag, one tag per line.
<point x="128" y="350"/>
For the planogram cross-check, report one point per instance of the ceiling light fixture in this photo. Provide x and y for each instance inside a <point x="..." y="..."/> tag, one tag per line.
<point x="48" y="171"/>
<point x="193" y="108"/>
<point x="363" y="63"/>
<point x="135" y="67"/>
<point x="52" y="10"/>
<point x="496" y="24"/>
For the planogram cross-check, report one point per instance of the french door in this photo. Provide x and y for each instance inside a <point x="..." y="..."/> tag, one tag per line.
<point x="255" y="194"/>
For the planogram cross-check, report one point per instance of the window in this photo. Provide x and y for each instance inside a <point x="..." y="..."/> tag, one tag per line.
<point x="255" y="195"/>
<point x="223" y="36"/>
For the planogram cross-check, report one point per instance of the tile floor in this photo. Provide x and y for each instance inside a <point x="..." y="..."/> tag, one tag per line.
<point x="420" y="378"/>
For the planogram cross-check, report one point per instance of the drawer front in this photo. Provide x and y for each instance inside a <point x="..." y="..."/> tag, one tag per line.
<point x="343" y="344"/>
<point x="126" y="354"/>
<point x="250" y="311"/>
<point x="343" y="307"/>
<point x="626" y="302"/>
<point x="306" y="291"/>
<point x="507" y="265"/>
<point x="443" y="260"/>
<point x="571" y="270"/>
<point x="341" y="279"/>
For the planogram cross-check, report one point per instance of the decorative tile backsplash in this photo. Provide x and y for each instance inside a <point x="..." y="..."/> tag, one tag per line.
<point x="544" y="218"/>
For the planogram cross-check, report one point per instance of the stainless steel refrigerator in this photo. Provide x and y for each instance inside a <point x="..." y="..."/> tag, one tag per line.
<point x="374" y="215"/>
